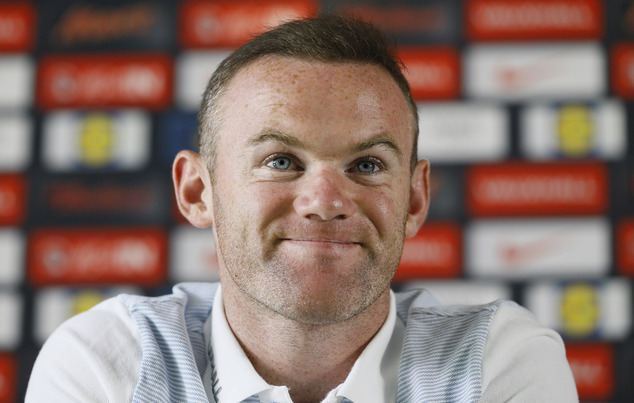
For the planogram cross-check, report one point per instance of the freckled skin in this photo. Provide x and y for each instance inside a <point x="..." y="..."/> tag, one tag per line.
<point x="320" y="242"/>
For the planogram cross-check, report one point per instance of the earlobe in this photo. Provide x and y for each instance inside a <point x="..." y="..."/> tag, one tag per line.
<point x="419" y="198"/>
<point x="192" y="185"/>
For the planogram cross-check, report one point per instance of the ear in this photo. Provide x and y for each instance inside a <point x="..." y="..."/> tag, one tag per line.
<point x="418" y="199"/>
<point x="192" y="185"/>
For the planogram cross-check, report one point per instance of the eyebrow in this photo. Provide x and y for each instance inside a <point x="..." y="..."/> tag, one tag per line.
<point x="382" y="140"/>
<point x="274" y="135"/>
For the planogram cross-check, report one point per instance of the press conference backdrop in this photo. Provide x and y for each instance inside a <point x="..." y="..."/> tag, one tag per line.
<point x="525" y="114"/>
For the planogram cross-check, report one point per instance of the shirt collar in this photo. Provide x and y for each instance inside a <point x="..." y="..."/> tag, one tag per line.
<point x="374" y="373"/>
<point x="237" y="379"/>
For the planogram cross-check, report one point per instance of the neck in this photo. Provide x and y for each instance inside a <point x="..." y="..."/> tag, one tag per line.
<point x="309" y="359"/>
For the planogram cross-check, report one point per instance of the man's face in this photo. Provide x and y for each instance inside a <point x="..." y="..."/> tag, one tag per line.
<point x="312" y="186"/>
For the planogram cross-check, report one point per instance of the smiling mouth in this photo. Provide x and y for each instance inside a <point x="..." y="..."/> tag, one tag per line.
<point x="324" y="243"/>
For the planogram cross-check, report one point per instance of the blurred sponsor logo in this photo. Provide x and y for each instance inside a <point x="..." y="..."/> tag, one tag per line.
<point x="459" y="292"/>
<point x="88" y="24"/>
<point x="229" y="24"/>
<point x="580" y="311"/>
<point x="17" y="27"/>
<point x="538" y="248"/>
<point x="95" y="26"/>
<point x="408" y="21"/>
<point x="100" y="199"/>
<point x="194" y="69"/>
<point x="105" y="80"/>
<point x="75" y="198"/>
<point x="54" y="305"/>
<point x="12" y="199"/>
<point x="10" y="320"/>
<point x="583" y="310"/>
<point x="435" y="252"/>
<point x="536" y="19"/>
<point x="592" y="366"/>
<point x="97" y="256"/>
<point x="625" y="247"/>
<point x="8" y="378"/>
<point x="432" y="73"/>
<point x="12" y="250"/>
<point x="516" y="72"/>
<point x="193" y="255"/>
<point x="16" y="81"/>
<point x="537" y="189"/>
<point x="462" y="132"/>
<point x="96" y="140"/>
<point x="574" y="130"/>
<point x="15" y="142"/>
<point x="622" y="58"/>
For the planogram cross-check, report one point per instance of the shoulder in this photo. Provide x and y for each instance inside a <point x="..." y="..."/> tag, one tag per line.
<point x="443" y="348"/>
<point x="107" y="318"/>
<point x="93" y="356"/>
<point x="97" y="355"/>
<point x="416" y="305"/>
<point x="524" y="360"/>
<point x="510" y="354"/>
<point x="188" y="296"/>
<point x="105" y="321"/>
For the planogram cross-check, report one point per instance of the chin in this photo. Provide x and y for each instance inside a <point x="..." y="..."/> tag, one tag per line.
<point x="321" y="307"/>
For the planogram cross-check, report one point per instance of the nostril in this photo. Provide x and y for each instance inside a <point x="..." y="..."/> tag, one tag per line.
<point x="323" y="206"/>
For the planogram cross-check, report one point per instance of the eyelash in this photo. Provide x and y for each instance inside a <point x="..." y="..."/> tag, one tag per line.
<point x="293" y="161"/>
<point x="373" y="160"/>
<point x="273" y="157"/>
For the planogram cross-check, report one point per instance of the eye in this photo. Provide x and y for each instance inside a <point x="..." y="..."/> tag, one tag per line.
<point x="280" y="162"/>
<point x="366" y="166"/>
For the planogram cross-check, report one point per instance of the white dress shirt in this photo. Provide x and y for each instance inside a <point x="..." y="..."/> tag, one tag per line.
<point x="96" y="357"/>
<point x="373" y="376"/>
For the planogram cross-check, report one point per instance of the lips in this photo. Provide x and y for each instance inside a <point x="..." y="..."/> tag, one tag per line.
<point x="322" y="242"/>
<point x="326" y="240"/>
<point x="332" y="236"/>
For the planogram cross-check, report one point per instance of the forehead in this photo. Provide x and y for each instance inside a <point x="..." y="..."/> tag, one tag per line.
<point x="345" y="100"/>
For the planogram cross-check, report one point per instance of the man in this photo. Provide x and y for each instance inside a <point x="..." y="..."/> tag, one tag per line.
<point x="309" y="175"/>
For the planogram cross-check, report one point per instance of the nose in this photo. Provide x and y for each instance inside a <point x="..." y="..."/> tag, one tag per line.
<point x="323" y="195"/>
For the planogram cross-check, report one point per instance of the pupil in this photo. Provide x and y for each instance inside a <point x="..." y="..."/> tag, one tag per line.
<point x="366" y="166"/>
<point x="282" y="163"/>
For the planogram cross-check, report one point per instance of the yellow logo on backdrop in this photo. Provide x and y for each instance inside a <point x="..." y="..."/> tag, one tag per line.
<point x="580" y="311"/>
<point x="575" y="130"/>
<point x="96" y="140"/>
<point x="85" y="300"/>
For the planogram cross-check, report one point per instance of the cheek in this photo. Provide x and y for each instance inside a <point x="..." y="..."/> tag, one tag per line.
<point x="268" y="201"/>
<point x="382" y="210"/>
<point x="389" y="207"/>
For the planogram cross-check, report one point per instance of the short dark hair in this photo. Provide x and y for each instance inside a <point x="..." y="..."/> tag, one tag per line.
<point x="326" y="38"/>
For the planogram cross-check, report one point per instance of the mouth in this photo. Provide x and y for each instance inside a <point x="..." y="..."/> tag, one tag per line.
<point x="322" y="242"/>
